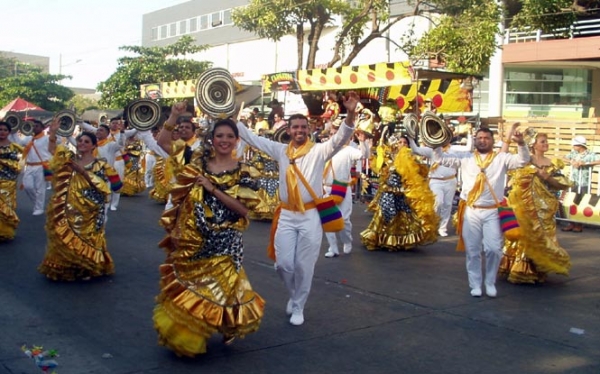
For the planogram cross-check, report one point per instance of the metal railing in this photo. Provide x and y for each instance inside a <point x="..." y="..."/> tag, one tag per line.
<point x="579" y="29"/>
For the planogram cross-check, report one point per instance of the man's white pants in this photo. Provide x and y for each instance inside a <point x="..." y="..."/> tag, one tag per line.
<point x="149" y="172"/>
<point x="481" y="227"/>
<point x="346" y="209"/>
<point x="34" y="185"/>
<point x="115" y="196"/>
<point x="444" y="191"/>
<point x="297" y="245"/>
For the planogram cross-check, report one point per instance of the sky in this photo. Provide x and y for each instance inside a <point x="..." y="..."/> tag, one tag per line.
<point x="81" y="37"/>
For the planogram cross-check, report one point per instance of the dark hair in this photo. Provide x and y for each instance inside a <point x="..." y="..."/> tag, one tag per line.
<point x="485" y="130"/>
<point x="7" y="125"/>
<point x="297" y="116"/>
<point x="90" y="135"/>
<point x="38" y="122"/>
<point x="226" y="122"/>
<point x="405" y="137"/>
<point x="105" y="127"/>
<point x="187" y="118"/>
<point x="115" y="119"/>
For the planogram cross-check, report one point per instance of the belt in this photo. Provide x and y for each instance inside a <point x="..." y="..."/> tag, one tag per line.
<point x="151" y="153"/>
<point x="484" y="206"/>
<point x="443" y="179"/>
<point x="307" y="206"/>
<point x="36" y="163"/>
<point x="119" y="158"/>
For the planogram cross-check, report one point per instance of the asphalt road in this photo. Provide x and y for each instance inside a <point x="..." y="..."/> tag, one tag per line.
<point x="369" y="312"/>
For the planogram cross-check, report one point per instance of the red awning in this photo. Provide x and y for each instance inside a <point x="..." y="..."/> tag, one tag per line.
<point x="19" y="105"/>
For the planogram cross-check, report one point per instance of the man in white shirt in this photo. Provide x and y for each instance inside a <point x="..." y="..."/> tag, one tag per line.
<point x="339" y="168"/>
<point x="299" y="233"/>
<point x="442" y="180"/>
<point x="482" y="173"/>
<point x="35" y="154"/>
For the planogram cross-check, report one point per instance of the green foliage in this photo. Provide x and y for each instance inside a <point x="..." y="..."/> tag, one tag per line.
<point x="42" y="89"/>
<point x="550" y="16"/>
<point x="150" y="65"/>
<point x="81" y="103"/>
<point x="464" y="41"/>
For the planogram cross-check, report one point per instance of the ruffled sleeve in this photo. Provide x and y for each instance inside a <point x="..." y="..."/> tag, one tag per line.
<point x="556" y="173"/>
<point x="247" y="192"/>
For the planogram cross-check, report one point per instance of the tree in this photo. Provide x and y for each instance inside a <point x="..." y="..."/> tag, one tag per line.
<point x="42" y="89"/>
<point x="362" y="22"/>
<point x="81" y="103"/>
<point x="151" y="65"/>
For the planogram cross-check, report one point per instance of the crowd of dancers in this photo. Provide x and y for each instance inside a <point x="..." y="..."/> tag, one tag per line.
<point x="214" y="179"/>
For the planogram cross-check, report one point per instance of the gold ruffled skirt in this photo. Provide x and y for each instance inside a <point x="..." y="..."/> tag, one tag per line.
<point x="133" y="182"/>
<point x="9" y="221"/>
<point x="202" y="297"/>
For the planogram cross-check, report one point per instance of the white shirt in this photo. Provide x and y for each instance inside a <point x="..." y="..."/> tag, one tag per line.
<point x="495" y="172"/>
<point x="440" y="171"/>
<point x="40" y="144"/>
<point x="310" y="165"/>
<point x="342" y="162"/>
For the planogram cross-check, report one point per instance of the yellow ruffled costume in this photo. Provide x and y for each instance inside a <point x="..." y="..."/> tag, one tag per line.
<point x="9" y="171"/>
<point x="204" y="289"/>
<point x="404" y="213"/>
<point x="162" y="182"/>
<point x="268" y="185"/>
<point x="75" y="220"/>
<point x="537" y="252"/>
<point x="133" y="181"/>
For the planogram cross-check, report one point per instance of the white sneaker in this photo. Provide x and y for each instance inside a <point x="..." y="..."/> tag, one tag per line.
<point x="289" y="308"/>
<point x="476" y="292"/>
<point x="297" y="318"/>
<point x="347" y="248"/>
<point x="490" y="290"/>
<point x="332" y="252"/>
<point x="113" y="208"/>
<point x="38" y="212"/>
<point x="442" y="233"/>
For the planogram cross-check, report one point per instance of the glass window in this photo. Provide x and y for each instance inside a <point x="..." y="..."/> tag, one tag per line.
<point x="172" y="29"/>
<point x="193" y="24"/>
<point x="183" y="27"/>
<point x="154" y="33"/>
<point x="216" y="19"/>
<point x="227" y="17"/>
<point x="163" y="32"/>
<point x="203" y="22"/>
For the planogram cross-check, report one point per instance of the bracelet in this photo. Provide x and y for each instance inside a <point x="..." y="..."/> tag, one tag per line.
<point x="168" y="127"/>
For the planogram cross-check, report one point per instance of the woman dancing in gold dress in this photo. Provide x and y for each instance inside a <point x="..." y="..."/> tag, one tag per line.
<point x="204" y="288"/>
<point x="76" y="212"/>
<point x="533" y="197"/>
<point x="9" y="171"/>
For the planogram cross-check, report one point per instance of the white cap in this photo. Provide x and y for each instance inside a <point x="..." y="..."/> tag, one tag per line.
<point x="579" y="140"/>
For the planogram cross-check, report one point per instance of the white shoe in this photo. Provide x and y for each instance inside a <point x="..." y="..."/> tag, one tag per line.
<point x="113" y="208"/>
<point x="38" y="212"/>
<point x="442" y="233"/>
<point x="289" y="308"/>
<point x="490" y="290"/>
<point x="332" y="252"/>
<point x="297" y="318"/>
<point x="476" y="292"/>
<point x="347" y="248"/>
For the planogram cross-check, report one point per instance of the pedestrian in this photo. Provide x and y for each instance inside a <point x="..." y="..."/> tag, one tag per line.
<point x="10" y="153"/>
<point x="582" y="161"/>
<point x="483" y="174"/>
<point x="82" y="184"/>
<point x="297" y="231"/>
<point x="338" y="170"/>
<point x="204" y="288"/>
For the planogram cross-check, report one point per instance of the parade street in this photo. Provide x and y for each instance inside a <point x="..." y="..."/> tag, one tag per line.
<point x="368" y="312"/>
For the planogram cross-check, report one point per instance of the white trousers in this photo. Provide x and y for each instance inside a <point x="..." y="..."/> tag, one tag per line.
<point x="297" y="246"/>
<point x="35" y="185"/>
<point x="346" y="209"/>
<point x="115" y="197"/>
<point x="481" y="230"/>
<point x="149" y="172"/>
<point x="444" y="192"/>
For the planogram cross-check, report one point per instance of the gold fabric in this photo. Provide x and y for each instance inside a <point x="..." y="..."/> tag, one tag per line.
<point x="536" y="253"/>
<point x="9" y="171"/>
<point x="480" y="181"/>
<point x="162" y="184"/>
<point x="133" y="181"/>
<point x="205" y="291"/>
<point x="268" y="185"/>
<point x="409" y="227"/>
<point x="75" y="221"/>
<point x="291" y="174"/>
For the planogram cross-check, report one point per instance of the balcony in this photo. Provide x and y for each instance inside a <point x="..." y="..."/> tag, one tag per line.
<point x="580" y="29"/>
